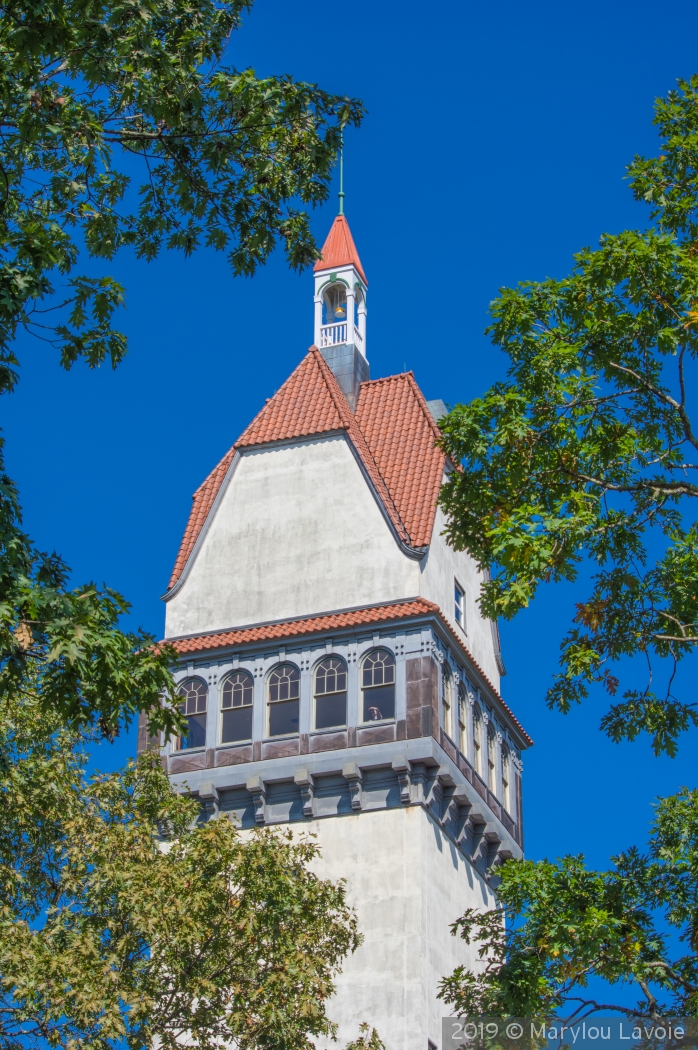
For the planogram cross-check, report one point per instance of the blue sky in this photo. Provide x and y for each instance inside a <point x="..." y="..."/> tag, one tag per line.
<point x="494" y="148"/>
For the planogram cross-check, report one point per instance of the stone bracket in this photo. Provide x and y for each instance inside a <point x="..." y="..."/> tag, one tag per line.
<point x="440" y="785"/>
<point x="354" y="777"/>
<point x="208" y="795"/>
<point x="403" y="772"/>
<point x="306" y="783"/>
<point x="258" y="789"/>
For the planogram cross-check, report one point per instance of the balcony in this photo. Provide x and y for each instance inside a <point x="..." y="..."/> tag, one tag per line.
<point x="332" y="334"/>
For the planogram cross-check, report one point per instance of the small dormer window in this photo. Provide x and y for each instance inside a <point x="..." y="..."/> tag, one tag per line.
<point x="459" y="604"/>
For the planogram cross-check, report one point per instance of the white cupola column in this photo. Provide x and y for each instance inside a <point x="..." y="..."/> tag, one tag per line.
<point x="318" y="320"/>
<point x="362" y="324"/>
<point x="350" y="315"/>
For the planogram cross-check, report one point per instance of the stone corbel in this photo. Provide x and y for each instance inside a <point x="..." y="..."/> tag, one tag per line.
<point x="306" y="783"/>
<point x="435" y="799"/>
<point x="258" y="789"/>
<point x="354" y="777"/>
<point x="456" y="807"/>
<point x="208" y="795"/>
<point x="404" y="779"/>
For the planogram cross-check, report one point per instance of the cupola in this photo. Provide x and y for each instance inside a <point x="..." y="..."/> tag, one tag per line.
<point x="340" y="309"/>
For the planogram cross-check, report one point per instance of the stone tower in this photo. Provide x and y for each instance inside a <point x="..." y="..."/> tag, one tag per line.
<point x="335" y="669"/>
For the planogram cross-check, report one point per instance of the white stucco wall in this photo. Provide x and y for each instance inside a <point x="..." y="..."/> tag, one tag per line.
<point x="441" y="567"/>
<point x="298" y="532"/>
<point x="407" y="883"/>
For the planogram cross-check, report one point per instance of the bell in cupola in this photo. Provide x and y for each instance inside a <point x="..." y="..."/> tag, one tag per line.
<point x="334" y="306"/>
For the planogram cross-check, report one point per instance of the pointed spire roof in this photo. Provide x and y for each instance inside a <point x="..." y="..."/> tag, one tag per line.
<point x="339" y="249"/>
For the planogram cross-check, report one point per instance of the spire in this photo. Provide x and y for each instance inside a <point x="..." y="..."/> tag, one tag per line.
<point x="339" y="249"/>
<point x="341" y="174"/>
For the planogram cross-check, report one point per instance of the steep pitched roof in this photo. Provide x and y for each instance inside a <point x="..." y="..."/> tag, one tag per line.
<point x="401" y="433"/>
<point x="334" y="621"/>
<point x="310" y="402"/>
<point x="339" y="249"/>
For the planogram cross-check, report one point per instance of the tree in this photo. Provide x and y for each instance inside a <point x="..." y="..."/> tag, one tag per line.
<point x="94" y="96"/>
<point x="586" y="452"/>
<point x="126" y="921"/>
<point x="558" y="925"/>
<point x="122" y="918"/>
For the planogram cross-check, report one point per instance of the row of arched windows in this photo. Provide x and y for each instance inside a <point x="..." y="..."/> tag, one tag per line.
<point x="377" y="677"/>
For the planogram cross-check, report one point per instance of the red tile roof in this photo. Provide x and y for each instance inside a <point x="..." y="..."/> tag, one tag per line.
<point x="339" y="249"/>
<point x="310" y="402"/>
<point x="401" y="434"/>
<point x="333" y="621"/>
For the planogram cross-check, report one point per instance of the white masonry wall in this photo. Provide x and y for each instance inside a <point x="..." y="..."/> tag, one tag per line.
<point x="298" y="532"/>
<point x="439" y="571"/>
<point x="407" y="883"/>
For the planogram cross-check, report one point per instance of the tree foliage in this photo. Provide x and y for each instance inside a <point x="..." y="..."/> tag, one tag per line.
<point x="64" y="645"/>
<point x="125" y="921"/>
<point x="558" y="925"/>
<point x="586" y="452"/>
<point x="121" y="124"/>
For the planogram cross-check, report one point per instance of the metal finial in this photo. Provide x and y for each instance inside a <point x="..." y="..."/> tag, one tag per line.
<point x="341" y="173"/>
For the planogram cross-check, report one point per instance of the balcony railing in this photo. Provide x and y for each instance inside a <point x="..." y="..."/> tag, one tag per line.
<point x="331" y="334"/>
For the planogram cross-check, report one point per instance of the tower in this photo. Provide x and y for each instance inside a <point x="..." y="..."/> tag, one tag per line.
<point x="340" y="309"/>
<point x="334" y="667"/>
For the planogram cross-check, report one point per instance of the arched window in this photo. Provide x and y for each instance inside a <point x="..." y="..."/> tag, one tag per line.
<point x="506" y="781"/>
<point x="462" y="719"/>
<point x="193" y="706"/>
<point x="378" y="685"/>
<point x="330" y="693"/>
<point x="236" y="707"/>
<point x="491" y="772"/>
<point x="334" y="304"/>
<point x="284" y="693"/>
<point x="477" y="739"/>
<point x="447" y="699"/>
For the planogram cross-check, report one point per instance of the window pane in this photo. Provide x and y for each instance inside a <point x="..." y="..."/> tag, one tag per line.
<point x="283" y="718"/>
<point x="379" y="703"/>
<point x="237" y="725"/>
<point x="193" y="692"/>
<point x="331" y="711"/>
<point x="378" y="668"/>
<point x="284" y="683"/>
<point x="238" y="690"/>
<point x="196" y="736"/>
<point x="331" y="676"/>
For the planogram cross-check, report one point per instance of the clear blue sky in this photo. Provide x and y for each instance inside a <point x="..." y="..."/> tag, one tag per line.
<point x="494" y="148"/>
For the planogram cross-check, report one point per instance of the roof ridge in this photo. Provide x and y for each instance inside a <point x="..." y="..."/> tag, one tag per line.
<point x="353" y="429"/>
<point x="336" y="392"/>
<point x="423" y="402"/>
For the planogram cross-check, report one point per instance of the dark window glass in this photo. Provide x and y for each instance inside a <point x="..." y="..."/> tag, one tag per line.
<point x="378" y="682"/>
<point x="194" y="694"/>
<point x="284" y="694"/>
<point x="236" y="703"/>
<point x="330" y="694"/>
<point x="237" y="725"/>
